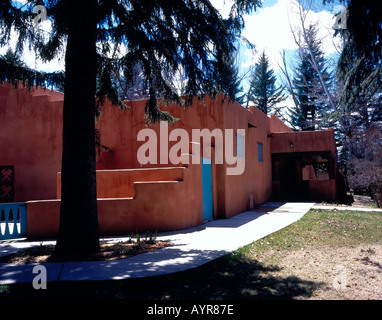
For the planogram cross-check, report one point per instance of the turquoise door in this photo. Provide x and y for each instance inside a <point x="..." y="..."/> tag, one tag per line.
<point x="207" y="189"/>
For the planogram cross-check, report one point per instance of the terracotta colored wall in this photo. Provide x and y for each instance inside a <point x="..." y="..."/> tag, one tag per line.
<point x="43" y="218"/>
<point x="232" y="194"/>
<point x="157" y="206"/>
<point x="119" y="183"/>
<point x="255" y="184"/>
<point x="36" y="153"/>
<point x="119" y="129"/>
<point x="30" y="139"/>
<point x="276" y="125"/>
<point x="323" y="190"/>
<point x="135" y="197"/>
<point x="307" y="185"/>
<point x="308" y="173"/>
<point x="304" y="141"/>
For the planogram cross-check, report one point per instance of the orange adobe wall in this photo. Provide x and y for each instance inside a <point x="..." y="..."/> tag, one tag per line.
<point x="156" y="206"/>
<point x="304" y="141"/>
<point x="293" y="157"/>
<point x="276" y="125"/>
<point x="232" y="194"/>
<point x="131" y="196"/>
<point x="254" y="186"/>
<point x="30" y="139"/>
<point x="153" y="197"/>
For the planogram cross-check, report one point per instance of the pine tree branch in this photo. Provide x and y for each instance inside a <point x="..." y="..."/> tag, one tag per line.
<point x="28" y="77"/>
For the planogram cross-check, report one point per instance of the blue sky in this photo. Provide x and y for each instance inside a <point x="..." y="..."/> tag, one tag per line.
<point x="269" y="28"/>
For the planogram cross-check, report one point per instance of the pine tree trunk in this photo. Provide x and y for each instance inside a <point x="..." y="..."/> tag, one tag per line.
<point x="78" y="231"/>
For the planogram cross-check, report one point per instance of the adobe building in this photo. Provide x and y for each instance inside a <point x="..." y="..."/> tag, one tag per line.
<point x="277" y="163"/>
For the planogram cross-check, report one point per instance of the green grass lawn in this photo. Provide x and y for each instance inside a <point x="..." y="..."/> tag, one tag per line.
<point x="325" y="227"/>
<point x="256" y="271"/>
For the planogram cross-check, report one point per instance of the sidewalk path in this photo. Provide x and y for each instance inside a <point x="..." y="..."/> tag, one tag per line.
<point x="325" y="207"/>
<point x="192" y="248"/>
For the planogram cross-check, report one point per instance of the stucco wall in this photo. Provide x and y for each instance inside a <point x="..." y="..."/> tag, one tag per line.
<point x="119" y="129"/>
<point x="276" y="125"/>
<point x="135" y="197"/>
<point x="30" y="139"/>
<point x="254" y="186"/>
<point x="323" y="190"/>
<point x="156" y="206"/>
<point x="232" y="193"/>
<point x="304" y="141"/>
<point x="119" y="183"/>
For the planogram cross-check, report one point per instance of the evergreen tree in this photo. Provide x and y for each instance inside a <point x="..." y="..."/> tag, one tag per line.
<point x="360" y="63"/>
<point x="359" y="111"/>
<point x="132" y="83"/>
<point x="160" y="35"/>
<point x="13" y="70"/>
<point x="231" y="81"/>
<point x="363" y="25"/>
<point x="12" y="59"/>
<point x="263" y="91"/>
<point x="312" y="103"/>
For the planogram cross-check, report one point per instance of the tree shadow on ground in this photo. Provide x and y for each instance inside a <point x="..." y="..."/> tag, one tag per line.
<point x="231" y="277"/>
<point x="227" y="278"/>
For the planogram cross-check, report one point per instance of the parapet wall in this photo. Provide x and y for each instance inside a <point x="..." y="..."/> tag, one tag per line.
<point x="304" y="141"/>
<point x="174" y="204"/>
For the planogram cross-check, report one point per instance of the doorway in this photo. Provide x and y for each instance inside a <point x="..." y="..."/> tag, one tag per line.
<point x="207" y="189"/>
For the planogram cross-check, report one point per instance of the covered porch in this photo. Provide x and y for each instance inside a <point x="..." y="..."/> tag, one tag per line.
<point x="304" y="166"/>
<point x="304" y="176"/>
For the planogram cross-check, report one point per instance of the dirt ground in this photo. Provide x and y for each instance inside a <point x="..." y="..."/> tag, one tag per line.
<point x="342" y="273"/>
<point x="108" y="251"/>
<point x="358" y="202"/>
<point x="363" y="201"/>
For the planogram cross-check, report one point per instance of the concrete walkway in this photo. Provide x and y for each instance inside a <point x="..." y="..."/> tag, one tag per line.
<point x="192" y="248"/>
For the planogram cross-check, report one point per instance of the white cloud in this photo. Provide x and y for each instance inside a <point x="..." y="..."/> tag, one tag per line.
<point x="224" y="6"/>
<point x="30" y="57"/>
<point x="270" y="29"/>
